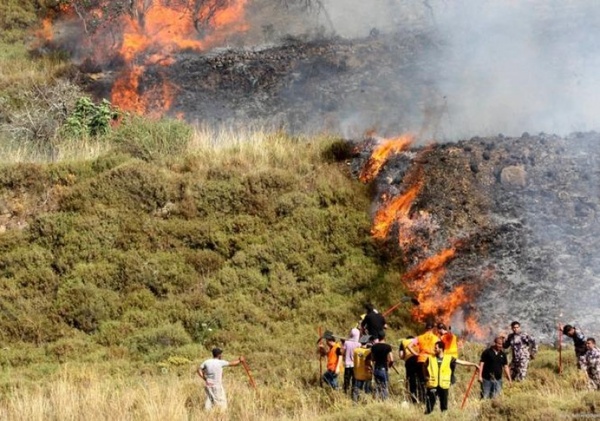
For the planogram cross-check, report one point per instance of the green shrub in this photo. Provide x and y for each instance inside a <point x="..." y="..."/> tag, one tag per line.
<point x="166" y="336"/>
<point x="89" y="119"/>
<point x="85" y="306"/>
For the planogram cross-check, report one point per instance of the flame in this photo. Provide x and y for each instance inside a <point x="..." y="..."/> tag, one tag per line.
<point x="381" y="154"/>
<point x="150" y="33"/>
<point x="394" y="210"/>
<point x="425" y="277"/>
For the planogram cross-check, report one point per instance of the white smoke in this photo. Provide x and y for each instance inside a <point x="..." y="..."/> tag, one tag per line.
<point x="506" y="66"/>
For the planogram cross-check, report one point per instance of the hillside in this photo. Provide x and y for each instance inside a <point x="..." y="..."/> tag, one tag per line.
<point x="130" y="246"/>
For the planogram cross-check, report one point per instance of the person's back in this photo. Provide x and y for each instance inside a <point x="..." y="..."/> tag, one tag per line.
<point x="426" y="343"/>
<point x="362" y="364"/>
<point x="379" y="354"/>
<point x="213" y="371"/>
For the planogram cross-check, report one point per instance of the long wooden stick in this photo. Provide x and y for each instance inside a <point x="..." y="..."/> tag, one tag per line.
<point x="320" y="332"/>
<point x="468" y="389"/>
<point x="559" y="350"/>
<point x="249" y="373"/>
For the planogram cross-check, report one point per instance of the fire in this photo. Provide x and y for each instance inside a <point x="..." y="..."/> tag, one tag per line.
<point x="395" y="210"/>
<point x="148" y="33"/>
<point x="426" y="270"/>
<point x="381" y="154"/>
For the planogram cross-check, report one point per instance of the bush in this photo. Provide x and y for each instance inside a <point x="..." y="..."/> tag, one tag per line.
<point x="165" y="336"/>
<point x="89" y="119"/>
<point x="84" y="306"/>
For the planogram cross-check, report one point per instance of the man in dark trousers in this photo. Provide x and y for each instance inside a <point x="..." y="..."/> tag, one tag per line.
<point x="373" y="323"/>
<point x="491" y="365"/>
<point x="383" y="359"/>
<point x="579" y="341"/>
<point x="438" y="376"/>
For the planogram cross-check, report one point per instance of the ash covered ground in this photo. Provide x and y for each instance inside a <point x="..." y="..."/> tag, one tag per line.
<point x="526" y="211"/>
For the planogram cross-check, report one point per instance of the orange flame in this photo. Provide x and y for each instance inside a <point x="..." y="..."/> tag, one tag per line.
<point x="381" y="154"/>
<point x="150" y="33"/>
<point x="396" y="209"/>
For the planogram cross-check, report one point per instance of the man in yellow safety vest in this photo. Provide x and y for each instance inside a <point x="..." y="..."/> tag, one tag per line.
<point x="438" y="374"/>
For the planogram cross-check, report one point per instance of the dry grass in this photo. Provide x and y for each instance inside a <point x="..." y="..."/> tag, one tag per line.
<point x="80" y="392"/>
<point x="255" y="148"/>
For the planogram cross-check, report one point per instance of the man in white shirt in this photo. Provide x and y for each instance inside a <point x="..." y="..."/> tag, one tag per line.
<point x="211" y="371"/>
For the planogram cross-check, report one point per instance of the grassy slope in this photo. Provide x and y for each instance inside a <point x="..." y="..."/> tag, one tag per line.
<point x="143" y="248"/>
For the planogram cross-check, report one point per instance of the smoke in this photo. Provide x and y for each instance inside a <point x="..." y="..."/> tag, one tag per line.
<point x="499" y="66"/>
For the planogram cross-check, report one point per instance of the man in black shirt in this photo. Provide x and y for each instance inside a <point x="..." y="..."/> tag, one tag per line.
<point x="373" y="323"/>
<point x="491" y="365"/>
<point x="383" y="358"/>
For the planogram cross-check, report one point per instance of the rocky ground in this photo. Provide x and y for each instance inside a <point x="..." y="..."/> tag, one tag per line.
<point x="525" y="210"/>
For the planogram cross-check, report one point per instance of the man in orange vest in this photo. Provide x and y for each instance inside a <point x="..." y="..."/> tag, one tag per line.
<point x="333" y="353"/>
<point x="450" y="341"/>
<point x="424" y="346"/>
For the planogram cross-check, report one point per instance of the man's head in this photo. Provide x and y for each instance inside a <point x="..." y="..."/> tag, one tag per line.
<point x="381" y="336"/>
<point x="329" y="338"/>
<point x="498" y="342"/>
<point x="441" y="327"/>
<point x="438" y="348"/>
<point x="217" y="352"/>
<point x="516" y="327"/>
<point x="590" y="343"/>
<point x="429" y="325"/>
<point x="369" y="307"/>
<point x="569" y="330"/>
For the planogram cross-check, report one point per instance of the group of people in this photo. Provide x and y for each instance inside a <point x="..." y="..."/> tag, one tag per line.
<point x="430" y="360"/>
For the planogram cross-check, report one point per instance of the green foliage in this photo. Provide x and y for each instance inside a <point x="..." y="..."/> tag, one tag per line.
<point x="90" y="119"/>
<point x="15" y="17"/>
<point x="146" y="341"/>
<point x="85" y="306"/>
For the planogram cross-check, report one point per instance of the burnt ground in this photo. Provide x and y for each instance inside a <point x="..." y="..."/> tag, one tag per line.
<point x="525" y="210"/>
<point x="381" y="81"/>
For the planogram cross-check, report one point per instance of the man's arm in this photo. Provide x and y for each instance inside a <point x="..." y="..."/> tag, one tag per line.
<point x="507" y="373"/>
<point x="533" y="347"/>
<point x="506" y="343"/>
<point x="390" y="358"/>
<point x="201" y="373"/>
<point x="236" y="362"/>
<point x="466" y="363"/>
<point x="481" y="364"/>
<point x="411" y="346"/>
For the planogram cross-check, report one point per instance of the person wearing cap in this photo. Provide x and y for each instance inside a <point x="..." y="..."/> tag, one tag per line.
<point x="424" y="347"/>
<point x="348" y="354"/>
<point x="211" y="371"/>
<point x="590" y="363"/>
<point x="363" y="370"/>
<point x="579" y="341"/>
<point x="438" y="375"/>
<point x="524" y="348"/>
<point x="450" y="341"/>
<point x="333" y="353"/>
<point x="410" y="365"/>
